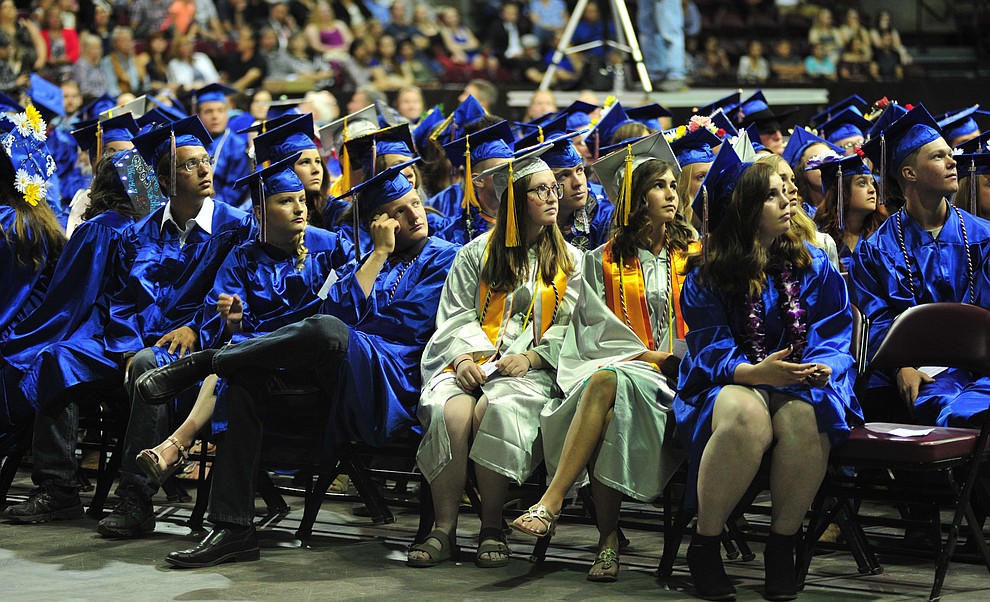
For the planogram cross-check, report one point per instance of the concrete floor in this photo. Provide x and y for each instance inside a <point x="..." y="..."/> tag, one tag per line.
<point x="349" y="558"/>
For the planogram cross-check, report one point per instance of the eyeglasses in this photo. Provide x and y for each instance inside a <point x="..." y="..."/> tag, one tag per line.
<point x="543" y="191"/>
<point x="193" y="164"/>
<point x="852" y="143"/>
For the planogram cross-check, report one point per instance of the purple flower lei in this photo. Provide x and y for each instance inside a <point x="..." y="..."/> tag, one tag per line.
<point x="793" y="315"/>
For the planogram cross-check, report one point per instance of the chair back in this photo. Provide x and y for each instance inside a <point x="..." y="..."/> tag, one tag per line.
<point x="858" y="344"/>
<point x="954" y="335"/>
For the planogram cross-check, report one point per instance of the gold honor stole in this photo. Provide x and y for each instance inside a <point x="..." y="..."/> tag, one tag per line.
<point x="491" y="307"/>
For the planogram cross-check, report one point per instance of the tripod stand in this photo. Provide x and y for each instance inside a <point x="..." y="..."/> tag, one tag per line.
<point x="627" y="42"/>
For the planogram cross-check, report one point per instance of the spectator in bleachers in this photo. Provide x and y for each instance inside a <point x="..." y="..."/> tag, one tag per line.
<point x="180" y="16"/>
<point x="207" y="25"/>
<point x="505" y="37"/>
<point x="157" y="61"/>
<point x="26" y="41"/>
<point x="713" y="63"/>
<point x="890" y="66"/>
<point x="12" y="74"/>
<point x="819" y="65"/>
<point x="125" y="73"/>
<point x="825" y="33"/>
<point x="282" y="23"/>
<point x="692" y="20"/>
<point x="357" y="70"/>
<point x="268" y="45"/>
<point x="459" y="42"/>
<point x="530" y="66"/>
<point x="753" y="66"/>
<point x="327" y="34"/>
<point x="246" y="68"/>
<point x="409" y="103"/>
<point x="295" y="62"/>
<point x="541" y="103"/>
<point x="364" y="96"/>
<point x="147" y="16"/>
<point x="883" y="25"/>
<point x="853" y="29"/>
<point x="784" y="64"/>
<point x="352" y="12"/>
<point x="591" y="27"/>
<point x="72" y="101"/>
<point x="92" y="80"/>
<point x="100" y="27"/>
<point x="427" y="33"/>
<point x="189" y="69"/>
<point x="548" y="17"/>
<point x="386" y="74"/>
<point x="412" y="66"/>
<point x="61" y="44"/>
<point x="400" y="24"/>
<point x="855" y="64"/>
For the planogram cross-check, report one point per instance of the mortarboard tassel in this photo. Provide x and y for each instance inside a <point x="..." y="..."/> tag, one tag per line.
<point x="973" y="208"/>
<point x="882" y="193"/>
<point x="264" y="213"/>
<point x="374" y="157"/>
<point x="171" y="184"/>
<point x="345" y="164"/>
<point x="626" y="192"/>
<point x="539" y="133"/>
<point x="598" y="144"/>
<point x="99" y="141"/>
<point x="704" y="221"/>
<point x="840" y="210"/>
<point x="470" y="197"/>
<point x="511" y="228"/>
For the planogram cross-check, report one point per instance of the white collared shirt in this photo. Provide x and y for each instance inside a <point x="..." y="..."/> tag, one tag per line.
<point x="203" y="219"/>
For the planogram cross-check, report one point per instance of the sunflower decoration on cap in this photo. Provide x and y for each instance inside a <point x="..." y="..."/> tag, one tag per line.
<point x="24" y="147"/>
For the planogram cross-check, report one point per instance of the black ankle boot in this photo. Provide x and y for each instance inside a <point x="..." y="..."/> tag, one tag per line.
<point x="164" y="384"/>
<point x="704" y="557"/>
<point x="778" y="565"/>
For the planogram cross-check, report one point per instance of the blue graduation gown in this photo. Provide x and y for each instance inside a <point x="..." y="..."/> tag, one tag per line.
<point x="435" y="221"/>
<point x="879" y="289"/>
<point x="458" y="232"/>
<point x="230" y="164"/>
<point x="380" y="381"/>
<point x="64" y="151"/>
<point x="448" y="201"/>
<point x="714" y="351"/>
<point x="590" y="229"/>
<point x="162" y="283"/>
<point x="60" y="344"/>
<point x="22" y="288"/>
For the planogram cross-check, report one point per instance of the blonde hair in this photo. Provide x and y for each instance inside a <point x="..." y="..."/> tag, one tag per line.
<point x="801" y="224"/>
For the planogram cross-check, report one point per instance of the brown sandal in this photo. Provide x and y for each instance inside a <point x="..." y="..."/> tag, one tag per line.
<point x="151" y="463"/>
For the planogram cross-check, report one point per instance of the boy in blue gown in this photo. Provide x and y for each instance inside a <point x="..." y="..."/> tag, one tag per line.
<point x="166" y="264"/>
<point x="228" y="149"/>
<point x="927" y="252"/>
<point x="365" y="353"/>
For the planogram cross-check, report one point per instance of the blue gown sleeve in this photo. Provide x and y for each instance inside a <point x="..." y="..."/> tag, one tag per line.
<point x="877" y="291"/>
<point x="231" y="279"/>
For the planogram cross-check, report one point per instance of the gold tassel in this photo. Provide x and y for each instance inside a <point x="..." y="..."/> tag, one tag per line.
<point x="626" y="193"/>
<point x="539" y="133"/>
<point x="470" y="198"/>
<point x="511" y="228"/>
<point x="99" y="141"/>
<point x="345" y="163"/>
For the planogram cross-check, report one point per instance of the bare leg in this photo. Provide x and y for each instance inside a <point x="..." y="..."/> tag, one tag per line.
<point x="493" y="488"/>
<point x="608" y="502"/>
<point x="448" y="486"/>
<point x="798" y="465"/>
<point x="741" y="434"/>
<point x="200" y="414"/>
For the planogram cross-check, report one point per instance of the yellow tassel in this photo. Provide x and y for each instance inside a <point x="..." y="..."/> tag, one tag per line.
<point x="626" y="193"/>
<point x="99" y="141"/>
<point x="345" y="162"/>
<point x="470" y="198"/>
<point x="511" y="229"/>
<point x="539" y="134"/>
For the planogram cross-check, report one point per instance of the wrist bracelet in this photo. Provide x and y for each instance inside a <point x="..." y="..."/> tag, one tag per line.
<point x="460" y="362"/>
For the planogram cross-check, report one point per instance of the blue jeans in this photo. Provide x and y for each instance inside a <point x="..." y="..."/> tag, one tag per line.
<point x="661" y="38"/>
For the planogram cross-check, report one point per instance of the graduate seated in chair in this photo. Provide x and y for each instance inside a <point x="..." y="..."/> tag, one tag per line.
<point x="617" y="408"/>
<point x="767" y="365"/>
<point x="490" y="368"/>
<point x="362" y="351"/>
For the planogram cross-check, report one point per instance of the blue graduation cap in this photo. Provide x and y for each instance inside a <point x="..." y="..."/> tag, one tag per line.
<point x="834" y="168"/>
<point x="722" y="122"/>
<point x="972" y="165"/>
<point x="540" y="133"/>
<point x="46" y="96"/>
<point x="384" y="187"/>
<point x="562" y="154"/>
<point x="753" y="133"/>
<point x="755" y="109"/>
<point x="466" y="113"/>
<point x="727" y="104"/>
<point x="649" y="115"/>
<point x="980" y="144"/>
<point x="716" y="190"/>
<point x="578" y="114"/>
<point x="278" y="108"/>
<point x="524" y="162"/>
<point x="613" y="117"/>
<point x="799" y="141"/>
<point x="208" y="93"/>
<point x="892" y="113"/>
<point x="163" y="140"/>
<point x="26" y="159"/>
<point x="266" y="125"/>
<point x="493" y="142"/>
<point x="695" y="147"/>
<point x="9" y="105"/>
<point x="906" y="135"/>
<point x="97" y="106"/>
<point x="960" y="123"/>
<point x="612" y="172"/>
<point x="848" y="123"/>
<point x="421" y="133"/>
<point x="277" y="178"/>
<point x="292" y="137"/>
<point x="359" y="123"/>
<point x="93" y="137"/>
<point x="395" y="140"/>
<point x="152" y="119"/>
<point x="138" y="182"/>
<point x="854" y="102"/>
<point x="387" y="116"/>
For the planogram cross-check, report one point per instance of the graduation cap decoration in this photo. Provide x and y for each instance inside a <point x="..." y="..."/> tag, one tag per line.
<point x="292" y="137"/>
<point x="26" y="160"/>
<point x="694" y="142"/>
<point x="855" y="102"/>
<point x="46" y="96"/>
<point x="833" y="168"/>
<point x="799" y="142"/>
<point x="97" y="106"/>
<point x="960" y="123"/>
<point x="208" y="93"/>
<point x="523" y="163"/>
<point x="276" y="178"/>
<point x="649" y="115"/>
<point x="848" y="123"/>
<point x="334" y="134"/>
<point x="904" y="136"/>
<point x="726" y="103"/>
<point x="138" y="181"/>
<point x="395" y="140"/>
<point x="154" y="145"/>
<point x="141" y="105"/>
<point x="716" y="190"/>
<point x="616" y="170"/>
<point x="93" y="137"/>
<point x="972" y="165"/>
<point x="889" y="115"/>
<point x="755" y="109"/>
<point x="492" y="142"/>
<point x="421" y="133"/>
<point x="722" y="122"/>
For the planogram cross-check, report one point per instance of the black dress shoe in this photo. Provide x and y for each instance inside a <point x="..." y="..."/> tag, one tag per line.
<point x="164" y="384"/>
<point x="221" y="545"/>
